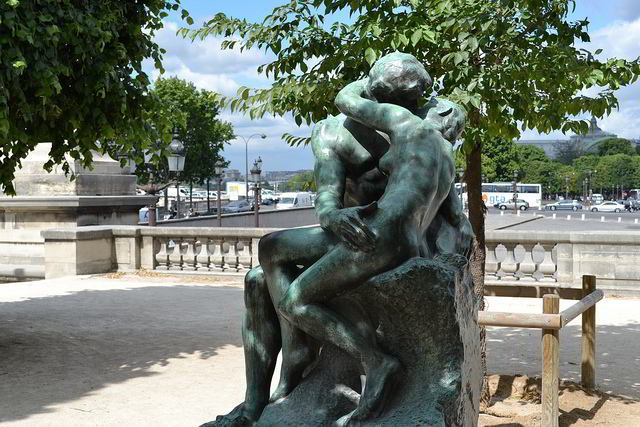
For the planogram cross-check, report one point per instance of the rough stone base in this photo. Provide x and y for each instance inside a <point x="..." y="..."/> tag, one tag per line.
<point x="425" y="314"/>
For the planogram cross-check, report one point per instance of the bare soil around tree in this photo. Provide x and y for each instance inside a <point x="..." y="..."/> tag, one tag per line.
<point x="515" y="402"/>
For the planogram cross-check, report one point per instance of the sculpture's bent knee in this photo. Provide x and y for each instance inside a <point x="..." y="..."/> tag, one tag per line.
<point x="255" y="287"/>
<point x="269" y="247"/>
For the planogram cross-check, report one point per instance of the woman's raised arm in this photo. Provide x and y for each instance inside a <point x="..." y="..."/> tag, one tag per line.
<point x="352" y="102"/>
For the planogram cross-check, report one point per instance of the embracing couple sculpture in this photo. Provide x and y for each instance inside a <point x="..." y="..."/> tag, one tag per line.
<point x="385" y="177"/>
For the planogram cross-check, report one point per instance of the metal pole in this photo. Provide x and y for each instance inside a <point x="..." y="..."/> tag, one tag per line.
<point x="256" y="191"/>
<point x="208" y="198"/>
<point x="152" y="207"/>
<point x="177" y="199"/>
<point x="219" y="203"/>
<point x="246" y="167"/>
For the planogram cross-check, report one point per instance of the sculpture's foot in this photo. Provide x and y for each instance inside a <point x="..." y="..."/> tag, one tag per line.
<point x="292" y="372"/>
<point x="381" y="380"/>
<point x="236" y="418"/>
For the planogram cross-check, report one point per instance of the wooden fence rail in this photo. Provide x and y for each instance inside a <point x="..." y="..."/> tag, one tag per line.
<point x="551" y="320"/>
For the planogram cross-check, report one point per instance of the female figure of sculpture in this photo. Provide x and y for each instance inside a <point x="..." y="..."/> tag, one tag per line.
<point x="420" y="170"/>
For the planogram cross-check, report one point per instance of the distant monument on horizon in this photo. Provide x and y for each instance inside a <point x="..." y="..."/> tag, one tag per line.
<point x="589" y="140"/>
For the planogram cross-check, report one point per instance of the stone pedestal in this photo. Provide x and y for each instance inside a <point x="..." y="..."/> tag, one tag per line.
<point x="103" y="195"/>
<point x="425" y="314"/>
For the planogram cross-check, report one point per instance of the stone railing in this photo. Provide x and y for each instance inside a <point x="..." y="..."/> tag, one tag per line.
<point x="538" y="257"/>
<point x="88" y="250"/>
<point x="513" y="257"/>
<point x="518" y="256"/>
<point x="216" y="250"/>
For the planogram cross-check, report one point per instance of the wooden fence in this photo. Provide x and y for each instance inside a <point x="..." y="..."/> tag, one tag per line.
<point x="551" y="320"/>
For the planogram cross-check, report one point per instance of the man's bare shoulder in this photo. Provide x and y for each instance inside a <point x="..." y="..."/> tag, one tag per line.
<point x="328" y="136"/>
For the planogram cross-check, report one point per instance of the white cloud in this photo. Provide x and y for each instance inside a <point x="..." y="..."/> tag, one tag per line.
<point x="620" y="39"/>
<point x="204" y="63"/>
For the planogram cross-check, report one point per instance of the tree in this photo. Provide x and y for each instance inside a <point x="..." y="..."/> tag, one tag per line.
<point x="569" y="150"/>
<point x="72" y="74"/>
<point x="194" y="114"/>
<point x="513" y="65"/>
<point x="617" y="169"/>
<point x="551" y="175"/>
<point x="611" y="146"/>
<point x="530" y="153"/>
<point x="304" y="181"/>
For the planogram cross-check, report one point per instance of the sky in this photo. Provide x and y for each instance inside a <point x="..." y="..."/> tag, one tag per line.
<point x="615" y="27"/>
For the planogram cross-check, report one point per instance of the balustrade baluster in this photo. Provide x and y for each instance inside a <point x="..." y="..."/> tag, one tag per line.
<point x="510" y="265"/>
<point x="189" y="258"/>
<point x="175" y="258"/>
<point x="215" y="252"/>
<point x="548" y="267"/>
<point x="230" y="255"/>
<point x="162" y="257"/>
<point x="244" y="254"/>
<point x="527" y="265"/>
<point x="492" y="265"/>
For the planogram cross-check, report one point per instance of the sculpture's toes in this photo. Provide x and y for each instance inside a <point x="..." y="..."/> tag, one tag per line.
<point x="235" y="418"/>
<point x="381" y="380"/>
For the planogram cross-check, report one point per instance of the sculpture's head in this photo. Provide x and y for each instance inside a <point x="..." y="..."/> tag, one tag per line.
<point x="449" y="118"/>
<point x="399" y="78"/>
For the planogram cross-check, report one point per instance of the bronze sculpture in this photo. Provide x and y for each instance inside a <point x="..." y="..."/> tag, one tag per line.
<point x="358" y="236"/>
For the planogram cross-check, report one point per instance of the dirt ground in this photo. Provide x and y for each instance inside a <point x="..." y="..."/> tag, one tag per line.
<point x="515" y="402"/>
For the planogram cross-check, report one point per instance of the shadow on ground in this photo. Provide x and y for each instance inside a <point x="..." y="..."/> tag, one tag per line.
<point x="518" y="351"/>
<point x="58" y="349"/>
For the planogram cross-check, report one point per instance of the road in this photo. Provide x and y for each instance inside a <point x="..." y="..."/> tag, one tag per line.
<point x="564" y="220"/>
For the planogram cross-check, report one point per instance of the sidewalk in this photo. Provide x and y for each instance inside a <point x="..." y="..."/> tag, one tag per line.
<point x="120" y="350"/>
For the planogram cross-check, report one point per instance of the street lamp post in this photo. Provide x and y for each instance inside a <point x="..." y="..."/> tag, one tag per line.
<point x="514" y="184"/>
<point x="218" y="169"/>
<point x="246" y="161"/>
<point x="256" y="170"/>
<point x="176" y="159"/>
<point x="566" y="187"/>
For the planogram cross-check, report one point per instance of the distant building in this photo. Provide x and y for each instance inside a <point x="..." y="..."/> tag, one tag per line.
<point x="590" y="140"/>
<point x="231" y="175"/>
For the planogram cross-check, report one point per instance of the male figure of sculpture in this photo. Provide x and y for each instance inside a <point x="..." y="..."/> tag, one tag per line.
<point x="347" y="156"/>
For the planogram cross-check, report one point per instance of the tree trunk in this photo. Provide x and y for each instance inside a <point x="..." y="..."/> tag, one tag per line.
<point x="477" y="211"/>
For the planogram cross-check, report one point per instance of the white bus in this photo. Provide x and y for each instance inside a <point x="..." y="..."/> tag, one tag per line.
<point x="499" y="192"/>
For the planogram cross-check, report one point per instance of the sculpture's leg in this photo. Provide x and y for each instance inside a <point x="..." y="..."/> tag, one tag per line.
<point x="340" y="271"/>
<point x="281" y="255"/>
<point x="261" y="339"/>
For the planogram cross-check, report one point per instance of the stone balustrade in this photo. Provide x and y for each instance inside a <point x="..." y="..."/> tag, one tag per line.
<point x="513" y="257"/>
<point x="216" y="250"/>
<point x="524" y="257"/>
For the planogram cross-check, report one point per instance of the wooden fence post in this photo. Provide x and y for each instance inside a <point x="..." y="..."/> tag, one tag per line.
<point x="550" y="365"/>
<point x="588" y="374"/>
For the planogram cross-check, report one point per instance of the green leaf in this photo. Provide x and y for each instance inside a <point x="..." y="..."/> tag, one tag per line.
<point x="416" y="36"/>
<point x="370" y="55"/>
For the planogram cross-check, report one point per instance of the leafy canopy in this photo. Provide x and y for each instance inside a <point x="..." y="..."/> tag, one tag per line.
<point x="513" y="64"/>
<point x="193" y="113"/>
<point x="71" y="73"/>
<point x="611" y="146"/>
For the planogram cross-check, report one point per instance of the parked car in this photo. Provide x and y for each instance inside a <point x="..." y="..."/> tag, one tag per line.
<point x="609" y="206"/>
<point x="236" y="206"/>
<point x="523" y="205"/>
<point x="572" y="205"/>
